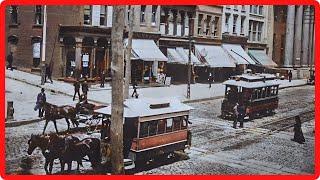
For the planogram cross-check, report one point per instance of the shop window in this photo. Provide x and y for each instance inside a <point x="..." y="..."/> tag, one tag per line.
<point x="161" y="126"/>
<point x="144" y="127"/>
<point x="14" y="14"/>
<point x="87" y="15"/>
<point x="176" y="123"/>
<point x="142" y="14"/>
<point x="169" y="125"/>
<point x="38" y="15"/>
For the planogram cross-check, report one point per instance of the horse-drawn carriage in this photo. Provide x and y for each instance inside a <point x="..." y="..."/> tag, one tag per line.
<point x="257" y="92"/>
<point x="152" y="127"/>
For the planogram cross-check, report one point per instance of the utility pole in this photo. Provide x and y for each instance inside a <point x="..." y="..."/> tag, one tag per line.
<point x="116" y="128"/>
<point x="44" y="39"/>
<point x="128" y="53"/>
<point x="189" y="68"/>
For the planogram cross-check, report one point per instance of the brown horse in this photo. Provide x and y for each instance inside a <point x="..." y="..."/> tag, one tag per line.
<point x="49" y="150"/>
<point x="53" y="112"/>
<point x="69" y="149"/>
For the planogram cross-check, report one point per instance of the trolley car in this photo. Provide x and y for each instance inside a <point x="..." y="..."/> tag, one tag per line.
<point x="153" y="127"/>
<point x="257" y="92"/>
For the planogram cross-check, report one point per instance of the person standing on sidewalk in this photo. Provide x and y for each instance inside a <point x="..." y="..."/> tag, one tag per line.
<point x="290" y="76"/>
<point x="85" y="87"/>
<point x="210" y="79"/>
<point x="41" y="99"/>
<point x="135" y="93"/>
<point x="76" y="85"/>
<point x="48" y="74"/>
<point x="10" y="61"/>
<point x="103" y="77"/>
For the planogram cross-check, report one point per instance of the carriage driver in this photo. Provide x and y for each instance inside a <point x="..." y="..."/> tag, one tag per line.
<point x="41" y="99"/>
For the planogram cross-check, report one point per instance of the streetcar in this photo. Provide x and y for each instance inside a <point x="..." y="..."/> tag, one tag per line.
<point x="257" y="92"/>
<point x="152" y="128"/>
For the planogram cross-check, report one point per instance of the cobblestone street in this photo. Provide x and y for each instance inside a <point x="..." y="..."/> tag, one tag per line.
<point x="216" y="147"/>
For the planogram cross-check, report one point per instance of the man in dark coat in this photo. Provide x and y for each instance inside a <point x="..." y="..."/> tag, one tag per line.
<point x="103" y="77"/>
<point x="41" y="99"/>
<point x="210" y="79"/>
<point x="10" y="60"/>
<point x="48" y="74"/>
<point x="135" y="93"/>
<point x="290" y="76"/>
<point x="298" y="135"/>
<point x="239" y="111"/>
<point x="85" y="87"/>
<point x="76" y="85"/>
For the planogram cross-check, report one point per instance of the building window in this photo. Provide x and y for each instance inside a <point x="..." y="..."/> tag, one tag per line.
<point x="14" y="14"/>
<point x="250" y="31"/>
<point x="103" y="15"/>
<point x="260" y="24"/>
<point x="250" y="9"/>
<point x="260" y="10"/>
<point x="186" y="25"/>
<point x="38" y="15"/>
<point x="208" y="20"/>
<point x="228" y="6"/>
<point x="242" y="24"/>
<point x="255" y="9"/>
<point x="215" y="30"/>
<point x="235" y="7"/>
<point x="142" y="14"/>
<point x="87" y="14"/>
<point x="243" y="8"/>
<point x="227" y="22"/>
<point x="234" y="29"/>
<point x="154" y="15"/>
<point x="254" y="31"/>
<point x="200" y="24"/>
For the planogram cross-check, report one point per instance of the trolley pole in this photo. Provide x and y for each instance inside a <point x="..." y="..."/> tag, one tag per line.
<point x="43" y="53"/>
<point x="189" y="68"/>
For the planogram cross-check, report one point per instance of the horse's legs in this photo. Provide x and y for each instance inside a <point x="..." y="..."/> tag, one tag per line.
<point x="68" y="123"/>
<point x="55" y="126"/>
<point x="51" y="166"/>
<point x="45" y="126"/>
<point x="46" y="166"/>
<point x="62" y="163"/>
<point x="69" y="166"/>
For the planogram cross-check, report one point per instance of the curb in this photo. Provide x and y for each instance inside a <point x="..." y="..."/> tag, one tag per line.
<point x="22" y="122"/>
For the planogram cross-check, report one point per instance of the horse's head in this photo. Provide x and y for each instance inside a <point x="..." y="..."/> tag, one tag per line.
<point x="34" y="142"/>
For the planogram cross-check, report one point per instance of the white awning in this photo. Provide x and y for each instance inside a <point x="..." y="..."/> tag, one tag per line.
<point x="185" y="54"/>
<point x="215" y="56"/>
<point x="238" y="54"/>
<point x="174" y="57"/>
<point x="146" y="50"/>
<point x="262" y="58"/>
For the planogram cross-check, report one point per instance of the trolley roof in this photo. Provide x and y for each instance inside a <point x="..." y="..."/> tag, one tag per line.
<point x="252" y="81"/>
<point x="149" y="107"/>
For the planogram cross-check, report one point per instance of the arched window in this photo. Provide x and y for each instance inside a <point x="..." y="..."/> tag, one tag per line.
<point x="36" y="50"/>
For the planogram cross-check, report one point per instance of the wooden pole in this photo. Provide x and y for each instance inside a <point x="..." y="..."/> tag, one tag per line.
<point x="128" y="53"/>
<point x="116" y="131"/>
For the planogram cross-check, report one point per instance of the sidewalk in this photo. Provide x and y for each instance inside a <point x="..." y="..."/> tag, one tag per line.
<point x="103" y="96"/>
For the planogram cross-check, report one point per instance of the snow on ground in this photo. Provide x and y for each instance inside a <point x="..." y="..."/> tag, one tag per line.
<point x="103" y="95"/>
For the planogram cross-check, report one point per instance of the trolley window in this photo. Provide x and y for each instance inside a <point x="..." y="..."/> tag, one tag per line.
<point x="176" y="123"/>
<point x="144" y="128"/>
<point x="153" y="126"/>
<point x="184" y="122"/>
<point x="161" y="126"/>
<point x="169" y="125"/>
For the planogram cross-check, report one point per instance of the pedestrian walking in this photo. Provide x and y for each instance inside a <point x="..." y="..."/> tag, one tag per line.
<point x="41" y="99"/>
<point x="210" y="79"/>
<point x="298" y="135"/>
<point x="85" y="87"/>
<point x="290" y="76"/>
<point x="10" y="61"/>
<point x="103" y="77"/>
<point x="239" y="112"/>
<point x="135" y="93"/>
<point x="48" y="74"/>
<point x="76" y="85"/>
